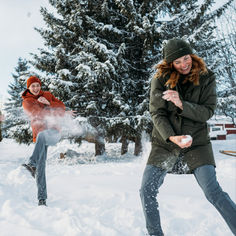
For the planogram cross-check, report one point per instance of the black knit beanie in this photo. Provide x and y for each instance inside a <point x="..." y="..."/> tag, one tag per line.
<point x="176" y="48"/>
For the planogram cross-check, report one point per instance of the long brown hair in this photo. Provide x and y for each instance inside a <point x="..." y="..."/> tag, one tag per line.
<point x="198" y="67"/>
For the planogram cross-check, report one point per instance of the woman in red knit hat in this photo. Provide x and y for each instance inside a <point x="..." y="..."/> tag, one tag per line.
<point x="41" y="107"/>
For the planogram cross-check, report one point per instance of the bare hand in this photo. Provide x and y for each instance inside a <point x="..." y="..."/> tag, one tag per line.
<point x="44" y="101"/>
<point x="173" y="96"/>
<point x="178" y="141"/>
<point x="71" y="113"/>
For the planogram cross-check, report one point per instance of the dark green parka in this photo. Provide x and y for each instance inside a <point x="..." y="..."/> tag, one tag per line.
<point x="199" y="103"/>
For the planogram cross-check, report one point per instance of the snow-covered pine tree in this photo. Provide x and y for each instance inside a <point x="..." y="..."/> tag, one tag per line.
<point x="100" y="55"/>
<point x="226" y="70"/>
<point x="16" y="124"/>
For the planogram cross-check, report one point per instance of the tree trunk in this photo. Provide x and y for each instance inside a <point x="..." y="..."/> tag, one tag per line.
<point x="124" y="146"/>
<point x="99" y="147"/>
<point x="138" y="146"/>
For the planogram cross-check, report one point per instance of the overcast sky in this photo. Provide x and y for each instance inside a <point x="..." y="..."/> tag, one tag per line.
<point x="17" y="35"/>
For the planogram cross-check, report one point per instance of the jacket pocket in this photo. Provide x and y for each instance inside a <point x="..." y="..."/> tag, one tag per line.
<point x="198" y="131"/>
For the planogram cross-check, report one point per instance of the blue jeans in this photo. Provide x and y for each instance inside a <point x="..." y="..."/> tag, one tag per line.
<point x="153" y="178"/>
<point x="44" y="139"/>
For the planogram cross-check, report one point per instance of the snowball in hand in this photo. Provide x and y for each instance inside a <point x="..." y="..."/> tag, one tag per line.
<point x="187" y="139"/>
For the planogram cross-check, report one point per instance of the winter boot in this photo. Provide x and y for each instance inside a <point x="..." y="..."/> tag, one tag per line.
<point x="42" y="202"/>
<point x="31" y="169"/>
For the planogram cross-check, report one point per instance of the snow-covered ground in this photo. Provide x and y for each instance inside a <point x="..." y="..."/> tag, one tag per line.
<point x="101" y="197"/>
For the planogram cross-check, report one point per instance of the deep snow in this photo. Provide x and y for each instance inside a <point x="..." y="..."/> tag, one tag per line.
<point x="101" y="197"/>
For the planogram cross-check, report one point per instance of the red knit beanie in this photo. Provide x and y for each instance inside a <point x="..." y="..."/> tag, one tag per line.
<point x="33" y="79"/>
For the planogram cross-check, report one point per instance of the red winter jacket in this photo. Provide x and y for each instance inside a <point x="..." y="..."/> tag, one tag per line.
<point x="42" y="116"/>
